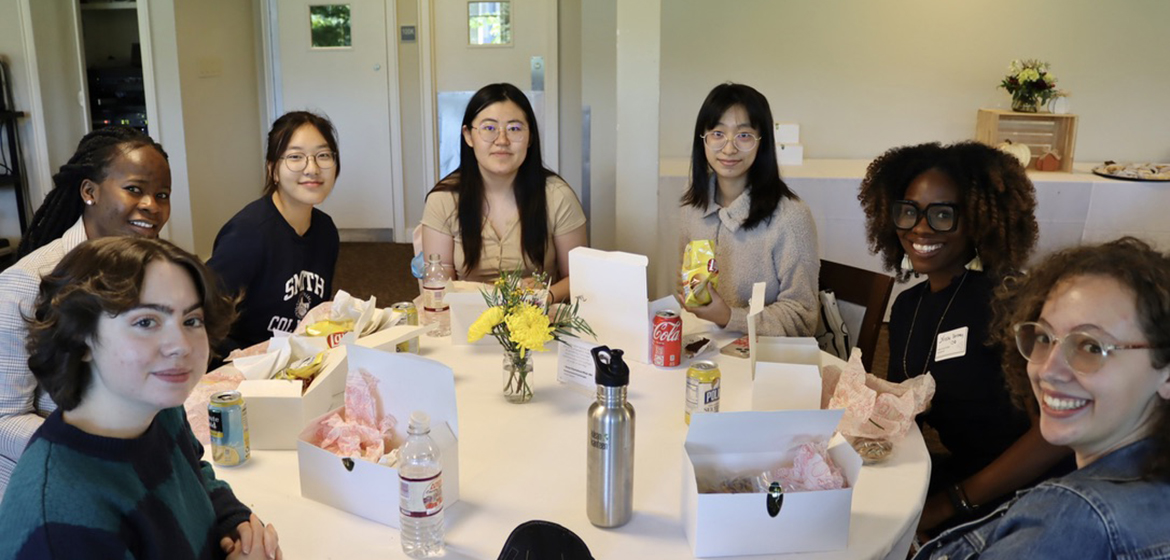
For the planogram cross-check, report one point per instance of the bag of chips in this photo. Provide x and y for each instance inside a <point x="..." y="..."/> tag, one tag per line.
<point x="699" y="272"/>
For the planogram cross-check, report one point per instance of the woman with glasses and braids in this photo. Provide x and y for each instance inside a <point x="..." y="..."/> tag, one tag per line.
<point x="1086" y="336"/>
<point x="280" y="251"/>
<point x="761" y="230"/>
<point x="117" y="183"/>
<point x="502" y="210"/>
<point x="963" y="216"/>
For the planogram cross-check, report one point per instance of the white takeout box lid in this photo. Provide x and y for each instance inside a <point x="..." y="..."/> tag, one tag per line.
<point x="466" y="304"/>
<point x="614" y="299"/>
<point x="277" y="409"/>
<point x="739" y="524"/>
<point x="406" y="383"/>
<point x="787" y="373"/>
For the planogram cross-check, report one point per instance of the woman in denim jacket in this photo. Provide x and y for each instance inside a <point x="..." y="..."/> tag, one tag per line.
<point x="1092" y="326"/>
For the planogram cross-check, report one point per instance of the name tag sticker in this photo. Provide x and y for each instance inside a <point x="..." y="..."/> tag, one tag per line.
<point x="951" y="344"/>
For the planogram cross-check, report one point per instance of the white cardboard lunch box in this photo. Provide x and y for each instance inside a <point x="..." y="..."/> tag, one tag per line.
<point x="406" y="383"/>
<point x="277" y="408"/>
<point x="741" y="524"/>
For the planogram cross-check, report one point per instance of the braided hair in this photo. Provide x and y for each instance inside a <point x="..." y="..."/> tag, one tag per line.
<point x="63" y="205"/>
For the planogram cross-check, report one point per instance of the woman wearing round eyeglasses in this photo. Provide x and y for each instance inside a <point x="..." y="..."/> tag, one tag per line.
<point x="1092" y="349"/>
<point x="961" y="215"/>
<point x="762" y="231"/>
<point x="280" y="250"/>
<point x="502" y="210"/>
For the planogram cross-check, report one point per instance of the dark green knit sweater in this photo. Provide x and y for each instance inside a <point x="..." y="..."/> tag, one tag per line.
<point x="76" y="495"/>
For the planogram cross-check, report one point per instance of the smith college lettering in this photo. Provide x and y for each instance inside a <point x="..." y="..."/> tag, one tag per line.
<point x="301" y="286"/>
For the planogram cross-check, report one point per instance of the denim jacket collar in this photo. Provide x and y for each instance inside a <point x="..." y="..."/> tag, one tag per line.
<point x="1122" y="464"/>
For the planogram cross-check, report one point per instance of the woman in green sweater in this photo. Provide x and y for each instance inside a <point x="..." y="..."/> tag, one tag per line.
<point x="119" y="337"/>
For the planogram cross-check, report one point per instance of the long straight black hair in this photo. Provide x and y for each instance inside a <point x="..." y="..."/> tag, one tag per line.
<point x="528" y="187"/>
<point x="765" y="187"/>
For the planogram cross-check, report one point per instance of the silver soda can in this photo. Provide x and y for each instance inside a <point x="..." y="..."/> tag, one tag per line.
<point x="227" y="418"/>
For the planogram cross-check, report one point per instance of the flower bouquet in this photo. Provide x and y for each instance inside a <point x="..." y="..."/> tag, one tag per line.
<point x="519" y="317"/>
<point x="1030" y="83"/>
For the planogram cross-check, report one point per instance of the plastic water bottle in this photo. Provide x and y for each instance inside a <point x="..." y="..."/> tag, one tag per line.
<point x="435" y="282"/>
<point x="420" y="491"/>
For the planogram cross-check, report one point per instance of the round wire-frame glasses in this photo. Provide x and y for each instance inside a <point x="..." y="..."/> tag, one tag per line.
<point x="1083" y="352"/>
<point x="743" y="141"/>
<point x="490" y="131"/>
<point x="297" y="162"/>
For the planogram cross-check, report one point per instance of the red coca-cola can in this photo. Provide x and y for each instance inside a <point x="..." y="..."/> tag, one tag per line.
<point x="667" y="339"/>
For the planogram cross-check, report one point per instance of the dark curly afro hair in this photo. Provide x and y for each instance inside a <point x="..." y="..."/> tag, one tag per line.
<point x="997" y="208"/>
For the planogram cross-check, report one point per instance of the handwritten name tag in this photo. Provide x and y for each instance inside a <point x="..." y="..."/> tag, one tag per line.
<point x="951" y="344"/>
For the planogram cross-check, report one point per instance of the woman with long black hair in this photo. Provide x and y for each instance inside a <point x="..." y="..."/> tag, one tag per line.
<point x="502" y="209"/>
<point x="762" y="231"/>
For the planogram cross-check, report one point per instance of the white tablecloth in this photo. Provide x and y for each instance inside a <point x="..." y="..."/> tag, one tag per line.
<point x="522" y="462"/>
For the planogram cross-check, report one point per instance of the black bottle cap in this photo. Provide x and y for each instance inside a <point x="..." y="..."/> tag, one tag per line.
<point x="611" y="370"/>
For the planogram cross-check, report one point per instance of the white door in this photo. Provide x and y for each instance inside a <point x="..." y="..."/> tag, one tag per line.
<point x="352" y="86"/>
<point x="460" y="68"/>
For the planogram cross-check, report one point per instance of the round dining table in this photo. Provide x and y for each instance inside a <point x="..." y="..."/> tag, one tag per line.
<point x="520" y="462"/>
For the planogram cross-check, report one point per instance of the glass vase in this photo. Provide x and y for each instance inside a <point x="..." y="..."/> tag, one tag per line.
<point x="517" y="390"/>
<point x="1023" y="103"/>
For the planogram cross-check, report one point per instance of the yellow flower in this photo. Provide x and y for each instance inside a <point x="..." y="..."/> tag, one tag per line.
<point x="529" y="328"/>
<point x="485" y="323"/>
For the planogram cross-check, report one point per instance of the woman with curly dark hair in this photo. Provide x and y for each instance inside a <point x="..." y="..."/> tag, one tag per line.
<point x="963" y="216"/>
<point x="1087" y="338"/>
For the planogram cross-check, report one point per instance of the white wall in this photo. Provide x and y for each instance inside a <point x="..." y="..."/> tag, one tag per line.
<point x="636" y="202"/>
<point x="225" y="161"/>
<point x="599" y="93"/>
<point x="862" y="76"/>
<point x="410" y="103"/>
<point x="569" y="91"/>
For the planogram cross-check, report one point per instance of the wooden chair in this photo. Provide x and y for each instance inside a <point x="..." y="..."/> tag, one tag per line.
<point x="865" y="289"/>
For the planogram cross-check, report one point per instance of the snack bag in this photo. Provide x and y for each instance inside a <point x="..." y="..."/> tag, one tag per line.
<point x="699" y="272"/>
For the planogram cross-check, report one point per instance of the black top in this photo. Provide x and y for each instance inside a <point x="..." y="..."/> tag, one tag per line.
<point x="283" y="275"/>
<point x="972" y="408"/>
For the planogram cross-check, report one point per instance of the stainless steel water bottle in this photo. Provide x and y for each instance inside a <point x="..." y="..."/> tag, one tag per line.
<point x="609" y="487"/>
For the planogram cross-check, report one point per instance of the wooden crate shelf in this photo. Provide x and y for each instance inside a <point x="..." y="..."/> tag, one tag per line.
<point x="1041" y="132"/>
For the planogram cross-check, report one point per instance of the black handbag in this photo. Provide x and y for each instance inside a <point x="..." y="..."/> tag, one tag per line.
<point x="544" y="540"/>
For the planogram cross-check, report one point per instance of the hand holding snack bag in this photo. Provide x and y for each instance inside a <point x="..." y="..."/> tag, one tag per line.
<point x="700" y="274"/>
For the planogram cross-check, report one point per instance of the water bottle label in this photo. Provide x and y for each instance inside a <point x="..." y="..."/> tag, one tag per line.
<point x="433" y="299"/>
<point x="420" y="497"/>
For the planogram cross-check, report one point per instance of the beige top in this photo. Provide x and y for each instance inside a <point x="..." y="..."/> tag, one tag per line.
<point x="503" y="251"/>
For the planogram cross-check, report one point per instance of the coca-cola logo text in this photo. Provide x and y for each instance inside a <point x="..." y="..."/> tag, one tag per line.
<point x="668" y="331"/>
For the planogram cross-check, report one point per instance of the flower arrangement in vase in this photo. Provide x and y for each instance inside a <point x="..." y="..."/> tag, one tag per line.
<point x="1030" y="83"/>
<point x="519" y="317"/>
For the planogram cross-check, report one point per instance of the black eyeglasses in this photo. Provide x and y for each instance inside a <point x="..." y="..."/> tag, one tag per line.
<point x="940" y="216"/>
<point x="1084" y="352"/>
